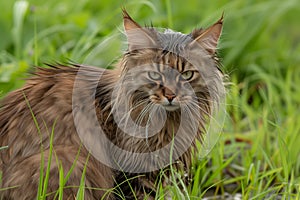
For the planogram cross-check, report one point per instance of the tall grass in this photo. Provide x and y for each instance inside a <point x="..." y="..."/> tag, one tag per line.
<point x="258" y="154"/>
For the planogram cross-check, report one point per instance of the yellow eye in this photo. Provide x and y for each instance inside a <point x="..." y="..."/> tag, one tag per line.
<point x="187" y="75"/>
<point x="154" y="75"/>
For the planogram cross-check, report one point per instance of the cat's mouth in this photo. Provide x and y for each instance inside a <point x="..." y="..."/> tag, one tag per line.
<point x="171" y="107"/>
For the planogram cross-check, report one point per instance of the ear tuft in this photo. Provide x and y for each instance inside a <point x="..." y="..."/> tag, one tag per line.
<point x="129" y="23"/>
<point x="125" y="13"/>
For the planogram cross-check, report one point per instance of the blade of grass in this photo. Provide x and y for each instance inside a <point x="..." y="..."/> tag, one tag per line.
<point x="47" y="172"/>
<point x="61" y="182"/>
<point x="36" y="49"/>
<point x="19" y="11"/>
<point x="80" y="193"/>
<point x="169" y="13"/>
<point x="41" y="178"/>
<point x="66" y="178"/>
<point x="73" y="165"/>
<point x="3" y="147"/>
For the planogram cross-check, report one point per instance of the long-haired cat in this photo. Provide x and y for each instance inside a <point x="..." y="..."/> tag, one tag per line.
<point x="119" y="127"/>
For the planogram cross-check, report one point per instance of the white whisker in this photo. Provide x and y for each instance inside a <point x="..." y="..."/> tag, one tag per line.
<point x="194" y="103"/>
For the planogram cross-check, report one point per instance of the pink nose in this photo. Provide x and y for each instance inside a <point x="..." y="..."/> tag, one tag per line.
<point x="169" y="94"/>
<point x="170" y="97"/>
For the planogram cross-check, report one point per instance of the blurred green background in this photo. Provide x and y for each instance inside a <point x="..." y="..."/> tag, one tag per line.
<point x="259" y="49"/>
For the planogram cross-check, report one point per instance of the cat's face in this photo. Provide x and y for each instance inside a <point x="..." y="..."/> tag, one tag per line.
<point x="168" y="87"/>
<point x="170" y="68"/>
<point x="167" y="72"/>
<point x="165" y="79"/>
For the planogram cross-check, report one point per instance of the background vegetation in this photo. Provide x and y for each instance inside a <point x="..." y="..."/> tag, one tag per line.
<point x="258" y="155"/>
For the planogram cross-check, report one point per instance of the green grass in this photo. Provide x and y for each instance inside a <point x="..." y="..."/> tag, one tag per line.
<point x="258" y="154"/>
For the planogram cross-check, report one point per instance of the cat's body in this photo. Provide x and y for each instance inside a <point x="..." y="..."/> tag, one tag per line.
<point x="47" y="101"/>
<point x="49" y="94"/>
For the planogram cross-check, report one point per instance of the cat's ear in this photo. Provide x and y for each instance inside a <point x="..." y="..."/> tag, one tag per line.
<point x="208" y="38"/>
<point x="137" y="36"/>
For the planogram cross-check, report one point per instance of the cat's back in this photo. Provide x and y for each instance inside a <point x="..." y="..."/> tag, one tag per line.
<point x="28" y="115"/>
<point x="44" y="97"/>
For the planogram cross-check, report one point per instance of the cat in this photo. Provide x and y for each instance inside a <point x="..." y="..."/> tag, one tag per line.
<point x="124" y="125"/>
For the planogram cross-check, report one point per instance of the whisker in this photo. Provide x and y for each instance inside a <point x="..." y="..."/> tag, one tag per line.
<point x="206" y="112"/>
<point x="128" y="114"/>
<point x="142" y="114"/>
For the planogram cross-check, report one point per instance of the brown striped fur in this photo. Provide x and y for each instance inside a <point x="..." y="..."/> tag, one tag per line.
<point x="47" y="98"/>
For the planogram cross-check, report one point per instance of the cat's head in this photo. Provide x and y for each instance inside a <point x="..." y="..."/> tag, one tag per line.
<point x="170" y="69"/>
<point x="169" y="84"/>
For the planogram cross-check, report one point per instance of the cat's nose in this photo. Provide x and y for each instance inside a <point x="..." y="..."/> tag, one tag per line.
<point x="170" y="97"/>
<point x="169" y="94"/>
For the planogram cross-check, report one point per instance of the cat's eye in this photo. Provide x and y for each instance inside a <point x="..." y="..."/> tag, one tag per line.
<point x="187" y="75"/>
<point x="154" y="75"/>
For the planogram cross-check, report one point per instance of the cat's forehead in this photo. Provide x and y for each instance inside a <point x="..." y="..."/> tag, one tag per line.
<point x="170" y="31"/>
<point x="173" y="41"/>
<point x="166" y="60"/>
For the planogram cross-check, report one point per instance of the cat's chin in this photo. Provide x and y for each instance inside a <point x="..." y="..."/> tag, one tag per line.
<point x="171" y="107"/>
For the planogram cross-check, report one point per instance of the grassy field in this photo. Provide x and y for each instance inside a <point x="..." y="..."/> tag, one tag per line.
<point x="258" y="154"/>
